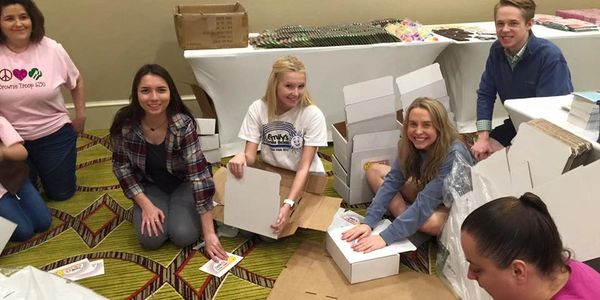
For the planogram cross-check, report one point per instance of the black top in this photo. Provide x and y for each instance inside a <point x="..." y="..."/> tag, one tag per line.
<point x="156" y="168"/>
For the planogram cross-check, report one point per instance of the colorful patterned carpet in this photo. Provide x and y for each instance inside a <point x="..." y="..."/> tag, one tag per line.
<point x="96" y="224"/>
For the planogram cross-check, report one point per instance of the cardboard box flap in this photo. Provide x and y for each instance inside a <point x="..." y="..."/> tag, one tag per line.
<point x="419" y="78"/>
<point x="312" y="212"/>
<point x="376" y="140"/>
<point x="435" y="90"/>
<point x="220" y="178"/>
<point x="210" y="9"/>
<point x="370" y="89"/>
<point x="370" y="109"/>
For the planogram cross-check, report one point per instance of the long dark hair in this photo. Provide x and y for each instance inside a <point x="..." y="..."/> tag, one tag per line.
<point x="35" y="14"/>
<point x="512" y="228"/>
<point x="133" y="113"/>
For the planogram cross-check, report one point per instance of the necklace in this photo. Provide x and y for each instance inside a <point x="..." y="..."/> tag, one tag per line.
<point x="157" y="127"/>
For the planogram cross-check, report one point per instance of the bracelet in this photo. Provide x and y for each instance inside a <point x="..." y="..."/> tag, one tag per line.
<point x="289" y="202"/>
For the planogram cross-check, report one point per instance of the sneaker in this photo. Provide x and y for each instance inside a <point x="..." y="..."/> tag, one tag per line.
<point x="226" y="230"/>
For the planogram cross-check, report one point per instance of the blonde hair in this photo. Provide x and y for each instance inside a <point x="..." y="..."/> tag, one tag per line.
<point x="280" y="66"/>
<point x="410" y="161"/>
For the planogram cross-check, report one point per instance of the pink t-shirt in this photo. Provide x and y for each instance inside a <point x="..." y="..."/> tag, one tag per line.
<point x="8" y="137"/>
<point x="30" y="96"/>
<point x="584" y="283"/>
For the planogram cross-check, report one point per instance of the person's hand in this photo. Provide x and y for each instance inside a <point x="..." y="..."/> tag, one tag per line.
<point x="282" y="218"/>
<point x="357" y="232"/>
<point x="78" y="124"/>
<point x="369" y="243"/>
<point x="236" y="165"/>
<point x="213" y="248"/>
<point x="152" y="220"/>
<point x="482" y="149"/>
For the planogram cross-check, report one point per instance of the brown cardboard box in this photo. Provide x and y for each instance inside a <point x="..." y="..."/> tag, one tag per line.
<point x="211" y="26"/>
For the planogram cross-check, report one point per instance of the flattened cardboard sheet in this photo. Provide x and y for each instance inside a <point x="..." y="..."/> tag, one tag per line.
<point x="311" y="274"/>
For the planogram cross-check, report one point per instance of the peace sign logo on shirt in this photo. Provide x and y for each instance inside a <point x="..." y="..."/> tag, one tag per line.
<point x="5" y="75"/>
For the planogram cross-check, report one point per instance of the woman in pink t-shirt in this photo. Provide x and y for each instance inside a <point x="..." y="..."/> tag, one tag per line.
<point x="33" y="68"/>
<point x="514" y="251"/>
<point x="23" y="206"/>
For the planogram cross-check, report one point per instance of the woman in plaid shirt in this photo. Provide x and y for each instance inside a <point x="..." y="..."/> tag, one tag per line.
<point x="159" y="164"/>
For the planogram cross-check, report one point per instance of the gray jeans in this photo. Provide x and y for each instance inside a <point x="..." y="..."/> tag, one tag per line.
<point x="182" y="221"/>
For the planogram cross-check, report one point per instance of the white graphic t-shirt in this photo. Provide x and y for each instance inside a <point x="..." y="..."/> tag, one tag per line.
<point x="284" y="138"/>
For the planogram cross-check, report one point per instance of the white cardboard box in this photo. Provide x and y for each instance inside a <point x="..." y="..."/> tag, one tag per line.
<point x="370" y="107"/>
<point x="358" y="266"/>
<point x="209" y="142"/>
<point x="378" y="147"/>
<point x="206" y="126"/>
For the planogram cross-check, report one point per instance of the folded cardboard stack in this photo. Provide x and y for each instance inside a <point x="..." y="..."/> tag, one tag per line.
<point x="585" y="111"/>
<point x="369" y="135"/>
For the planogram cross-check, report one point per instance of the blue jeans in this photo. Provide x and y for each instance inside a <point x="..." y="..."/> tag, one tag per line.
<point x="28" y="211"/>
<point x="53" y="159"/>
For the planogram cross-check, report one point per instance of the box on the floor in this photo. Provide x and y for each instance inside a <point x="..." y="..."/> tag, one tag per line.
<point x="7" y="228"/>
<point x="211" y="26"/>
<point x="261" y="192"/>
<point x="358" y="266"/>
<point x="312" y="274"/>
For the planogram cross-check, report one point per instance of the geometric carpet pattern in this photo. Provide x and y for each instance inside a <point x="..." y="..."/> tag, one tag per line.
<point x="96" y="224"/>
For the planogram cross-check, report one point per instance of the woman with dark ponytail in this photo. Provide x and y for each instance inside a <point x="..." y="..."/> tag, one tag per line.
<point x="514" y="251"/>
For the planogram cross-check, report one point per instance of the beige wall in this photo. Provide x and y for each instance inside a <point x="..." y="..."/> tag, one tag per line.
<point x="109" y="40"/>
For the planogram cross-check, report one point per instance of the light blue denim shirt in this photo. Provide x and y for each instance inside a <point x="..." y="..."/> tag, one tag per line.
<point x="422" y="208"/>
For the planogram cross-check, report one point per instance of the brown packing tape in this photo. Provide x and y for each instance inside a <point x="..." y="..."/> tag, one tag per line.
<point x="312" y="274"/>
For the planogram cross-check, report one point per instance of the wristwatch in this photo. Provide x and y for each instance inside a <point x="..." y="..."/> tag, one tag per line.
<point x="290" y="202"/>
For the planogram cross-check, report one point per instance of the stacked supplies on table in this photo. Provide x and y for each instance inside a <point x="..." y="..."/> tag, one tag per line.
<point x="564" y="24"/>
<point x="591" y="15"/>
<point x="584" y="110"/>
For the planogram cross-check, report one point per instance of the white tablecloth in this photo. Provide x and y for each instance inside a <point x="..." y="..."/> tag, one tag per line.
<point x="551" y="109"/>
<point x="462" y="64"/>
<point x="234" y="78"/>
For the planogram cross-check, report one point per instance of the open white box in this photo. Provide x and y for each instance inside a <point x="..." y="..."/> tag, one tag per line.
<point x="358" y="266"/>
<point x="378" y="147"/>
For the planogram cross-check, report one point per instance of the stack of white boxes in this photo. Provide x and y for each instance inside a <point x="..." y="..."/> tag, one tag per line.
<point x="424" y="82"/>
<point x="370" y="134"/>
<point x="209" y="139"/>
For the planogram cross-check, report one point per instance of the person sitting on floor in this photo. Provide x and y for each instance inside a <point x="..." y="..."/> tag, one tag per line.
<point x="159" y="164"/>
<point x="411" y="189"/>
<point x="20" y="202"/>
<point x="515" y="251"/>
<point x="290" y="128"/>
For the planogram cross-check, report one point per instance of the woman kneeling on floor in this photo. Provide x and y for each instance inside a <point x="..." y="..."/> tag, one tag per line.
<point x="159" y="164"/>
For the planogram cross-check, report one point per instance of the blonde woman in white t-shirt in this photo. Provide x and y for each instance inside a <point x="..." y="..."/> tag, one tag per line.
<point x="289" y="127"/>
